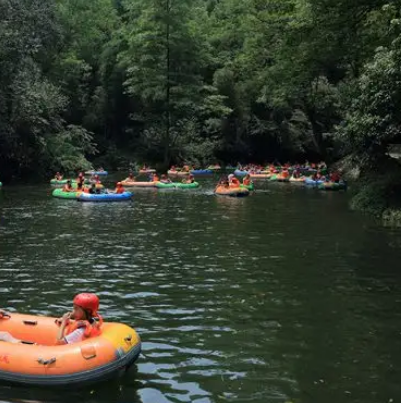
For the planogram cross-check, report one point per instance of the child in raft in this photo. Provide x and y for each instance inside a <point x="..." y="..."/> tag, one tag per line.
<point x="83" y="322"/>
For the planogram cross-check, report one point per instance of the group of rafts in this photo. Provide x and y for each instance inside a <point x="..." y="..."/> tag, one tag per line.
<point x="91" y="188"/>
<point x="88" y="188"/>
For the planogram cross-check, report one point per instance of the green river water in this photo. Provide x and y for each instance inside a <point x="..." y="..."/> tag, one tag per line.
<point x="283" y="296"/>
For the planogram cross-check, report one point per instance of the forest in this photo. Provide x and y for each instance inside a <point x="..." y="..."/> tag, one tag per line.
<point x="113" y="82"/>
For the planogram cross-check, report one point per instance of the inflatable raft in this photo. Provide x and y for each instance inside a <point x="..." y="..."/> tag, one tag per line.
<point x="139" y="184"/>
<point x="104" y="197"/>
<point x="44" y="363"/>
<point x="201" y="172"/>
<point x="250" y="187"/>
<point x="147" y="171"/>
<point x="297" y="180"/>
<point x="177" y="173"/>
<point x="100" y="173"/>
<point x="59" y="193"/>
<point x="332" y="186"/>
<point x="260" y="176"/>
<point x="238" y="172"/>
<point x="232" y="192"/>
<point x="311" y="182"/>
<point x="177" y="185"/>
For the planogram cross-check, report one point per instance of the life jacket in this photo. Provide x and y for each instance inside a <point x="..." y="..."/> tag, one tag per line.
<point x="120" y="190"/>
<point x="246" y="182"/>
<point x="91" y="329"/>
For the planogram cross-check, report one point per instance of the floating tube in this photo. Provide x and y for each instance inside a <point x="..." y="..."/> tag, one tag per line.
<point x="104" y="197"/>
<point x="59" y="193"/>
<point x="100" y="173"/>
<point x="91" y="360"/>
<point x="260" y="176"/>
<point x="201" y="172"/>
<point x="311" y="182"/>
<point x="332" y="186"/>
<point x="177" y="185"/>
<point x="238" y="172"/>
<point x="147" y="171"/>
<point x="297" y="180"/>
<point x="279" y="178"/>
<point x="177" y="173"/>
<point x="192" y="185"/>
<point x="139" y="184"/>
<point x="232" y="192"/>
<point x="250" y="187"/>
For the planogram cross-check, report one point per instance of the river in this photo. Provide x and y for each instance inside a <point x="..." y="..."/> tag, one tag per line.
<point x="284" y="296"/>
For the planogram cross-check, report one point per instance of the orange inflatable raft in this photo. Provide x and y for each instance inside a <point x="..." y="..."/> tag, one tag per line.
<point x="233" y="192"/>
<point x="44" y="363"/>
<point x="139" y="184"/>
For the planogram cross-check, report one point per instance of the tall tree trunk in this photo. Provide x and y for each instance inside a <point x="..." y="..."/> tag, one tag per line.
<point x="167" y="112"/>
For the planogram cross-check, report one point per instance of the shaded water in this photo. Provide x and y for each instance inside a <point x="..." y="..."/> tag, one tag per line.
<point x="285" y="296"/>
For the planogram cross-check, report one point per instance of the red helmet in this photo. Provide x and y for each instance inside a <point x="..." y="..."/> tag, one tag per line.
<point x="88" y="302"/>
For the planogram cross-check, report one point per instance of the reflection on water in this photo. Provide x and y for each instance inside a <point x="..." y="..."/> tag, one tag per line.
<point x="281" y="296"/>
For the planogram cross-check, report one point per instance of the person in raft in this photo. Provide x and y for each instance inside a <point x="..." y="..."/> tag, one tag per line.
<point x="190" y="179"/>
<point x="58" y="176"/>
<point x="247" y="180"/>
<point x="68" y="187"/>
<point x="83" y="322"/>
<point x="131" y="178"/>
<point x="164" y="179"/>
<point x="119" y="188"/>
<point x="234" y="182"/>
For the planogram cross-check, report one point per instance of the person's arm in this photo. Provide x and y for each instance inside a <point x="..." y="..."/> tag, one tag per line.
<point x="61" y="330"/>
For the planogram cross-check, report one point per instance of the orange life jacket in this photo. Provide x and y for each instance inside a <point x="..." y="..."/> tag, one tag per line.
<point x="246" y="182"/>
<point x="91" y="329"/>
<point x="120" y="190"/>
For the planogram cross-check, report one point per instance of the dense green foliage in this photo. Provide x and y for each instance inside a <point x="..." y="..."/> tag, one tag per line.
<point x="174" y="80"/>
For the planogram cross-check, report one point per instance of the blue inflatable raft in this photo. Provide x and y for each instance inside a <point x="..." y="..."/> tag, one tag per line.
<point x="201" y="172"/>
<point x="100" y="173"/>
<point x="238" y="172"/>
<point x="104" y="197"/>
<point x="311" y="182"/>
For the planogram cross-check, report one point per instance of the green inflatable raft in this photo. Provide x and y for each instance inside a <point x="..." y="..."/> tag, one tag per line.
<point x="65" y="195"/>
<point x="177" y="185"/>
<point x="250" y="187"/>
